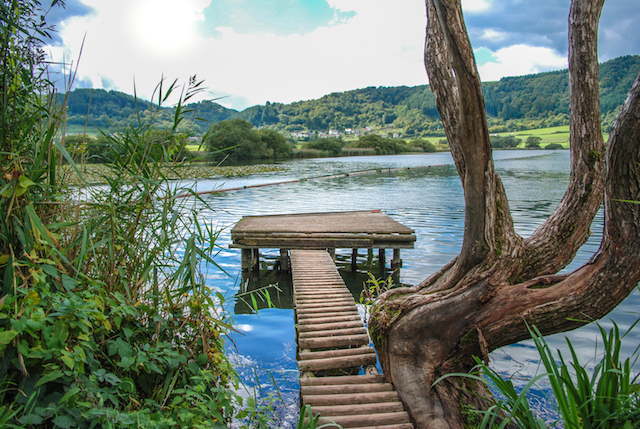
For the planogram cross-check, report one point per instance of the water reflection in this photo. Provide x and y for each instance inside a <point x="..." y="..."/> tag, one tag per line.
<point x="430" y="201"/>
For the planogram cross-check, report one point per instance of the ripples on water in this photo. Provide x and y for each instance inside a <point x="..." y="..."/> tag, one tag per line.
<point x="430" y="201"/>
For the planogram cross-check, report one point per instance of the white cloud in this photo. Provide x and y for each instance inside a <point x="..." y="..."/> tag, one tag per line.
<point x="520" y="60"/>
<point x="476" y="6"/>
<point x="379" y="46"/>
<point x="493" y="35"/>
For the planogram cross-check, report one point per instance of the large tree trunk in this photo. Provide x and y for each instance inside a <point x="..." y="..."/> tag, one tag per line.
<point x="481" y="300"/>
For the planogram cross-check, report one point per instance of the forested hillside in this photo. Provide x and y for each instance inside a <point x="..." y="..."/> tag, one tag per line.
<point x="512" y="104"/>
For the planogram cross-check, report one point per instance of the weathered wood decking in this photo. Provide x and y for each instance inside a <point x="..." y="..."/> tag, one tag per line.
<point x="339" y="230"/>
<point x="332" y="339"/>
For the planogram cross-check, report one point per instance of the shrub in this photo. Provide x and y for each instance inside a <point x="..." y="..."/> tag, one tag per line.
<point x="554" y="146"/>
<point x="105" y="319"/>
<point x="331" y="146"/>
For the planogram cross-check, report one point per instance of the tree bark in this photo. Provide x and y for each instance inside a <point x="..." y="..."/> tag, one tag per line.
<point x="481" y="300"/>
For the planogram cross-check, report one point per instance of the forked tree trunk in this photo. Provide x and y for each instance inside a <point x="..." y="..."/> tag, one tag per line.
<point x="481" y="300"/>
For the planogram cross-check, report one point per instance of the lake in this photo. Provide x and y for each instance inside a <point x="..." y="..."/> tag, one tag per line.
<point x="428" y="200"/>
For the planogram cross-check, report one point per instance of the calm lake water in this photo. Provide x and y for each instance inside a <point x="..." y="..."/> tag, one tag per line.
<point x="428" y="200"/>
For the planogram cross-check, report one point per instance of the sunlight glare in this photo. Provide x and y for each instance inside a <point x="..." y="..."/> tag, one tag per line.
<point x="166" y="25"/>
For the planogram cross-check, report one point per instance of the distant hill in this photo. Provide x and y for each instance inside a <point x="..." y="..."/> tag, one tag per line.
<point x="512" y="104"/>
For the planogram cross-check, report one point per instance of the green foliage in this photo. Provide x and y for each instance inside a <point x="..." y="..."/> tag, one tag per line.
<point x="607" y="399"/>
<point x="426" y="145"/>
<point x="513" y="104"/>
<point x="532" y="142"/>
<point x="276" y="143"/>
<point x="375" y="287"/>
<point x="506" y="142"/>
<point x="236" y="139"/>
<point x="308" y="421"/>
<point x="103" y="109"/>
<point x="553" y="146"/>
<point x="382" y="146"/>
<point x="329" y="146"/>
<point x="105" y="318"/>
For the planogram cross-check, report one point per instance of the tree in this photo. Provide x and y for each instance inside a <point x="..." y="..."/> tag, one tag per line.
<point x="481" y="300"/>
<point x="236" y="139"/>
<point x="506" y="142"/>
<point x="532" y="142"/>
<point x="276" y="143"/>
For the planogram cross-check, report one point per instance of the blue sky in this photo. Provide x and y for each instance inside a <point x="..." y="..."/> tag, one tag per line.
<point x="254" y="51"/>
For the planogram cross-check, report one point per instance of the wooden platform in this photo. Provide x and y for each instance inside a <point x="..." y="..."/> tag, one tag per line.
<point x="337" y="230"/>
<point x="333" y="340"/>
<point x="358" y="229"/>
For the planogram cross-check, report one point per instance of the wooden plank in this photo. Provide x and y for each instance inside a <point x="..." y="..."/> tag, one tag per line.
<point x="358" y="409"/>
<point x="328" y="318"/>
<point x="337" y="362"/>
<point x="334" y="333"/>
<point x="328" y="299"/>
<point x="335" y="309"/>
<point x="330" y="342"/>
<point x="340" y="380"/>
<point x="333" y="222"/>
<point x="350" y="398"/>
<point x="375" y="420"/>
<point x="324" y="306"/>
<point x="346" y="389"/>
<point x="302" y="243"/>
<point x="337" y="353"/>
<point x="390" y="238"/>
<point x="319" y="294"/>
<point x="325" y="326"/>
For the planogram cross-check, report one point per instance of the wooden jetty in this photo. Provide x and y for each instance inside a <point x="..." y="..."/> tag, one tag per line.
<point x="332" y="339"/>
<point x="355" y="230"/>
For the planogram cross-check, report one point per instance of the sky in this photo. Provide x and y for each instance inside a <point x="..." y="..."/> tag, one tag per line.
<point x="249" y="52"/>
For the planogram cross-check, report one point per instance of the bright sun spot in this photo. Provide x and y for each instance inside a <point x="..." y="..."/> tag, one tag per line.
<point x="165" y="25"/>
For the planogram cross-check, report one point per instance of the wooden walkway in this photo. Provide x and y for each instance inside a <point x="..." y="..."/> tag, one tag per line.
<point x="332" y="339"/>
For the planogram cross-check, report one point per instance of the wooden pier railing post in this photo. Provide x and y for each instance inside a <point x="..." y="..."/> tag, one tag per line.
<point x="396" y="262"/>
<point x="285" y="265"/>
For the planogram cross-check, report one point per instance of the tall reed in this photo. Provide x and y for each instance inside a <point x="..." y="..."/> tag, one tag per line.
<point x="105" y="316"/>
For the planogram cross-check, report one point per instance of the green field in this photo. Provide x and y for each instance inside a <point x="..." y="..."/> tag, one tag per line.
<point x="548" y="135"/>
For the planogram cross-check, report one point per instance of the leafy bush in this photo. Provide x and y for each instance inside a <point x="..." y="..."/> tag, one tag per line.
<point x="331" y="146"/>
<point x="382" y="146"/>
<point x="506" y="142"/>
<point x="532" y="142"/>
<point x="236" y="139"/>
<point x="554" y="146"/>
<point x="105" y="318"/>
<point x="426" y="145"/>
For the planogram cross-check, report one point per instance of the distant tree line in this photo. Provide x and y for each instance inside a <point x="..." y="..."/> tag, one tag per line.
<point x="512" y="104"/>
<point x="100" y="149"/>
<point x="237" y="139"/>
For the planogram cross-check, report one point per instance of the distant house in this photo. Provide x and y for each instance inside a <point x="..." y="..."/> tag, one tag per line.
<point x="334" y="133"/>
<point x="301" y="135"/>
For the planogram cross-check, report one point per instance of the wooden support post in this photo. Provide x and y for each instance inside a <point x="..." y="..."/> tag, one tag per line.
<point x="382" y="258"/>
<point x="284" y="260"/>
<point x="396" y="262"/>
<point x="246" y="259"/>
<point x="354" y="260"/>
<point x="332" y="252"/>
<point x="255" y="259"/>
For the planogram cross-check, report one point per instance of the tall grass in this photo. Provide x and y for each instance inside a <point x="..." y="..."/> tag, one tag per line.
<point x="105" y="317"/>
<point x="608" y="398"/>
